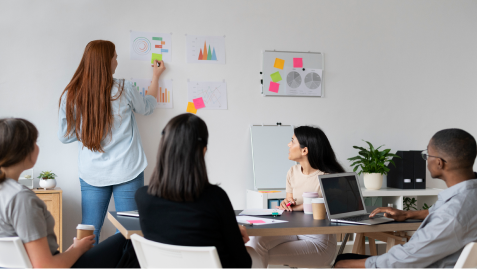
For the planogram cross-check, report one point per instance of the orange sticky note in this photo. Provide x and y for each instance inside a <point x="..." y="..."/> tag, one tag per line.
<point x="279" y="63"/>
<point x="191" y="108"/>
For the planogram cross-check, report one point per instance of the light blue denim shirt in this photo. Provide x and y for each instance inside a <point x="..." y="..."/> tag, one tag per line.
<point x="450" y="225"/>
<point x="123" y="158"/>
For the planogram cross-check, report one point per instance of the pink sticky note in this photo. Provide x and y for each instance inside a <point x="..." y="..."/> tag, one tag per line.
<point x="256" y="221"/>
<point x="297" y="62"/>
<point x="198" y="103"/>
<point x="274" y="87"/>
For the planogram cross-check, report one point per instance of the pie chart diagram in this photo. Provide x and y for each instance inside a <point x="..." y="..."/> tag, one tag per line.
<point x="293" y="79"/>
<point x="312" y="80"/>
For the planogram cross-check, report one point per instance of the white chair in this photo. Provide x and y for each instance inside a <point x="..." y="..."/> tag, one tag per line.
<point x="152" y="254"/>
<point x="13" y="253"/>
<point x="468" y="257"/>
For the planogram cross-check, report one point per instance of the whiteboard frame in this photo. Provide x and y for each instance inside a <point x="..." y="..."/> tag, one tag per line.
<point x="253" y="160"/>
<point x="284" y="95"/>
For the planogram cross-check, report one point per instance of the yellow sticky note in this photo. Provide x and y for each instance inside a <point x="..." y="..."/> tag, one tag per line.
<point x="279" y="63"/>
<point x="191" y="108"/>
<point x="156" y="56"/>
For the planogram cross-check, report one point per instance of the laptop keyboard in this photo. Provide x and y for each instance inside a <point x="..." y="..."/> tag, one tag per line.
<point x="360" y="218"/>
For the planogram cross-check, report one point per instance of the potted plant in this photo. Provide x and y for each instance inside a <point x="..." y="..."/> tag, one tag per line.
<point x="372" y="162"/>
<point x="47" y="180"/>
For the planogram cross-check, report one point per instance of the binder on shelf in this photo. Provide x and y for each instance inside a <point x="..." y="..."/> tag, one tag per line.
<point x="419" y="170"/>
<point x="401" y="176"/>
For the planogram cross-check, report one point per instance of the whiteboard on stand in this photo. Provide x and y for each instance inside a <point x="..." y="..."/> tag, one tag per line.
<point x="270" y="155"/>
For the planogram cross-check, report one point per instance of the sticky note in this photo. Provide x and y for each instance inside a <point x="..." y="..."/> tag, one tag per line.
<point x="276" y="77"/>
<point x="191" y="108"/>
<point x="256" y="221"/>
<point x="297" y="62"/>
<point x="198" y="103"/>
<point x="279" y="63"/>
<point x="156" y="56"/>
<point x="274" y="87"/>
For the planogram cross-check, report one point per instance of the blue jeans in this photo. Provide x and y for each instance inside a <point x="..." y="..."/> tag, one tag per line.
<point x="95" y="201"/>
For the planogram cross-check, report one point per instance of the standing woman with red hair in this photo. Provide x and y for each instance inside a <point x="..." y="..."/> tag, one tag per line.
<point x="97" y="110"/>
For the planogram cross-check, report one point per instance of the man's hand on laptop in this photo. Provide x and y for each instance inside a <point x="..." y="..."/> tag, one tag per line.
<point x="389" y="212"/>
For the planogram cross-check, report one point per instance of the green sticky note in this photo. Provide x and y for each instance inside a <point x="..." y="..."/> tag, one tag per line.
<point x="276" y="77"/>
<point x="158" y="57"/>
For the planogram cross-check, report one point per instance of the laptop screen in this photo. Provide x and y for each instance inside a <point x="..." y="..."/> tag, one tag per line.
<point x="342" y="194"/>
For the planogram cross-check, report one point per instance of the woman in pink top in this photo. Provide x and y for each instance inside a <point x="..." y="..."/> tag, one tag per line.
<point x="312" y="150"/>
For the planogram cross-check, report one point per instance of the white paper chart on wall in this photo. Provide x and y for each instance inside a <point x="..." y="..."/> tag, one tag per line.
<point x="213" y="94"/>
<point x="305" y="83"/>
<point x="145" y="45"/>
<point x="164" y="95"/>
<point x="205" y="49"/>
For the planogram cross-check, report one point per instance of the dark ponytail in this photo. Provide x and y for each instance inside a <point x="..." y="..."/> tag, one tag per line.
<point x="17" y="142"/>
<point x="320" y="154"/>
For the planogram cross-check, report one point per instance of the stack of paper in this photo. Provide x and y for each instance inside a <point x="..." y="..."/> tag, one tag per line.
<point x="258" y="221"/>
<point x="260" y="212"/>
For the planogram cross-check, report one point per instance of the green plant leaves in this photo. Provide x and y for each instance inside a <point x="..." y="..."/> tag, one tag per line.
<point x="372" y="160"/>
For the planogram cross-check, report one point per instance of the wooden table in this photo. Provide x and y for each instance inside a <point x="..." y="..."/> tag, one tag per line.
<point x="298" y="224"/>
<point x="53" y="199"/>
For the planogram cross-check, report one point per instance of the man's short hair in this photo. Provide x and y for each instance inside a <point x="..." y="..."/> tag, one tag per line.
<point x="457" y="144"/>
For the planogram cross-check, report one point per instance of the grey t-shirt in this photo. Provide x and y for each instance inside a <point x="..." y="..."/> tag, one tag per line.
<point x="25" y="215"/>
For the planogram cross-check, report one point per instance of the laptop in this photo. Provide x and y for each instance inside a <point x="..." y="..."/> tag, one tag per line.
<point x="344" y="201"/>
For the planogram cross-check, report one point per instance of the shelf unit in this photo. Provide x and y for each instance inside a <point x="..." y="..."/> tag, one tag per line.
<point x="256" y="199"/>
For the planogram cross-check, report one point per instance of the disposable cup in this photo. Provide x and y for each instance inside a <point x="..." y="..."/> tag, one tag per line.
<point x="307" y="197"/>
<point x="318" y="207"/>
<point x="83" y="230"/>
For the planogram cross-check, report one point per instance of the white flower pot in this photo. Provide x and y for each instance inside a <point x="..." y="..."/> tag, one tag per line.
<point x="47" y="183"/>
<point x="373" y="181"/>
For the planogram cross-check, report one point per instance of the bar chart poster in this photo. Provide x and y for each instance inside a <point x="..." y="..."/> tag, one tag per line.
<point x="164" y="95"/>
<point x="144" y="44"/>
<point x="205" y="49"/>
<point x="214" y="94"/>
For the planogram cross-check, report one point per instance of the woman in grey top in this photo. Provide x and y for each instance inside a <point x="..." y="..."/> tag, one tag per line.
<point x="24" y="215"/>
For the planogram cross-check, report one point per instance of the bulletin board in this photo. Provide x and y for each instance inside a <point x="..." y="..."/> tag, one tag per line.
<point x="288" y="73"/>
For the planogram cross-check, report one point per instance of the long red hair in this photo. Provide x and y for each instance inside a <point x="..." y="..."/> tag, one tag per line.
<point x="88" y="96"/>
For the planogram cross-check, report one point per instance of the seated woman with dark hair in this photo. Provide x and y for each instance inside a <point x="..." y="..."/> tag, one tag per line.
<point x="180" y="206"/>
<point x="24" y="215"/>
<point x="309" y="147"/>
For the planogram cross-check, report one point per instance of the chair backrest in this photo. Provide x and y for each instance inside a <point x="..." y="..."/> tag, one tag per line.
<point x="13" y="253"/>
<point x="468" y="257"/>
<point x="152" y="254"/>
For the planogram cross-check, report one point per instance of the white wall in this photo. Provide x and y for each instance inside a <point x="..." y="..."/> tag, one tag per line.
<point x="396" y="72"/>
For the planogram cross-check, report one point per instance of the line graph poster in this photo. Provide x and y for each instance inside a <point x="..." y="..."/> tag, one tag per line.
<point x="164" y="95"/>
<point x="205" y="49"/>
<point x="143" y="44"/>
<point x="214" y="94"/>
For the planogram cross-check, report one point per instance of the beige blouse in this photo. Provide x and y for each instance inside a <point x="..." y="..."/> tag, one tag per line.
<point x="298" y="183"/>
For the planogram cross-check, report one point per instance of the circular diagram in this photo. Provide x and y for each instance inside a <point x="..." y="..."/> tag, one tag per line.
<point x="141" y="45"/>
<point x="293" y="79"/>
<point x="312" y="80"/>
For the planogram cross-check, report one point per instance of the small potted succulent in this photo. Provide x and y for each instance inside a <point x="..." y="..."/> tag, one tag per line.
<point x="47" y="180"/>
<point x="372" y="163"/>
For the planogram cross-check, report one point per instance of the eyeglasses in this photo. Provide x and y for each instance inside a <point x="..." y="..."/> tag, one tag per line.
<point x="425" y="156"/>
